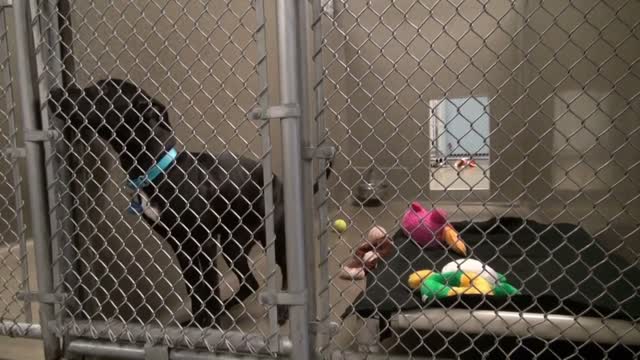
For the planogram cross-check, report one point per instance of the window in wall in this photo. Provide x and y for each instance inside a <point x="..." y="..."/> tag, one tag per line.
<point x="459" y="130"/>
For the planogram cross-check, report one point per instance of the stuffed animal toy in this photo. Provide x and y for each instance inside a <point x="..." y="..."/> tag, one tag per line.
<point x="461" y="277"/>
<point x="368" y="253"/>
<point x="463" y="163"/>
<point x="430" y="228"/>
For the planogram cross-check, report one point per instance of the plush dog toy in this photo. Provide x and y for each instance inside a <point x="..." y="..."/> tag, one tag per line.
<point x="463" y="163"/>
<point x="377" y="245"/>
<point x="430" y="228"/>
<point x="461" y="277"/>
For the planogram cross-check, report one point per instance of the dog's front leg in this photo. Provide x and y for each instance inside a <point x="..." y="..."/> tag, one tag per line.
<point x="187" y="252"/>
<point x="214" y="312"/>
<point x="208" y="291"/>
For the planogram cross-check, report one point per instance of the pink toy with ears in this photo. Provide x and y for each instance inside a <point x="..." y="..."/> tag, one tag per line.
<point x="430" y="228"/>
<point x="367" y="255"/>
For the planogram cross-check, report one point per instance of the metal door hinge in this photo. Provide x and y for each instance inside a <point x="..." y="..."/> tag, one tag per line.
<point x="320" y="152"/>
<point x="14" y="153"/>
<point x="275" y="112"/>
<point x="330" y="328"/>
<point x="42" y="298"/>
<point x="40" y="135"/>
<point x="282" y="298"/>
<point x="156" y="352"/>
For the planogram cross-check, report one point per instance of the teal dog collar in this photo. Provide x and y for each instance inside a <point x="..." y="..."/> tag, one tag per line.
<point x="157" y="169"/>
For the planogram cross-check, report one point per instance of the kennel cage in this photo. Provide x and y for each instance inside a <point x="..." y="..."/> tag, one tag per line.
<point x="549" y="88"/>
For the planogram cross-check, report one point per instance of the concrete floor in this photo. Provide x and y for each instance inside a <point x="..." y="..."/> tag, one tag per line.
<point x="12" y="309"/>
<point x="20" y="349"/>
<point x="446" y="177"/>
<point x="252" y="317"/>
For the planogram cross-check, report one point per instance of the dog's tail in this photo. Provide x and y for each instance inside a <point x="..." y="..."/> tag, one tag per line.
<point x="327" y="173"/>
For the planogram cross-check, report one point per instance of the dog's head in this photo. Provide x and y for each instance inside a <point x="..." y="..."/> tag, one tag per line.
<point x="134" y="124"/>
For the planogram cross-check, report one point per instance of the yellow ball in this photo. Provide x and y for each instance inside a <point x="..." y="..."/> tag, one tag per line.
<point x="340" y="225"/>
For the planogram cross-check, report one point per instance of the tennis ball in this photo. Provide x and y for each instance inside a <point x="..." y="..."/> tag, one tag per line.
<point x="340" y="225"/>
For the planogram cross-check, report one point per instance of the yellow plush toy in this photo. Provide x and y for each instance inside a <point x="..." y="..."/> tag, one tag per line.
<point x="461" y="277"/>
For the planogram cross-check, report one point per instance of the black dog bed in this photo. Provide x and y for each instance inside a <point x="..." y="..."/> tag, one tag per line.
<point x="558" y="268"/>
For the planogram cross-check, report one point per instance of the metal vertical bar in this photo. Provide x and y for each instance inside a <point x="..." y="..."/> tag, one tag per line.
<point x="48" y="73"/>
<point x="307" y="166"/>
<point x="37" y="176"/>
<point x="292" y="174"/>
<point x="70" y="187"/>
<point x="265" y="137"/>
<point x="323" y="309"/>
<point x="7" y="84"/>
<point x="66" y="38"/>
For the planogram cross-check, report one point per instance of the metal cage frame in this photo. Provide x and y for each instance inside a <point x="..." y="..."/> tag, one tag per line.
<point x="333" y="92"/>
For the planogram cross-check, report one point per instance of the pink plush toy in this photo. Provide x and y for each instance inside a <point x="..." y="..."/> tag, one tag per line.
<point x="430" y="228"/>
<point x="367" y="255"/>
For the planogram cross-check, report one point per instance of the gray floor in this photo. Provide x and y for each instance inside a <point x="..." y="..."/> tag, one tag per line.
<point x="447" y="177"/>
<point x="252" y="316"/>
<point x="20" y="349"/>
<point x="10" y="309"/>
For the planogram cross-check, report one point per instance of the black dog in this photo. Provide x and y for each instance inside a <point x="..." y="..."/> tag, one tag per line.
<point x="195" y="200"/>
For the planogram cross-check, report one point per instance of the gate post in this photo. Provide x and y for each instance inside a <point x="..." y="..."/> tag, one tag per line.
<point x="290" y="85"/>
<point x="35" y="163"/>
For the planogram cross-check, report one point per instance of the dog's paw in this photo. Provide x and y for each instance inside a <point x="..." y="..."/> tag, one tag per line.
<point x="204" y="319"/>
<point x="196" y="322"/>
<point x="283" y="314"/>
<point x="224" y="320"/>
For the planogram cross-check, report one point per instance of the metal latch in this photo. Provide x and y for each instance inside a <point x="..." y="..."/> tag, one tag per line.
<point x="14" y="153"/>
<point x="275" y="112"/>
<point x="330" y="328"/>
<point x="42" y="298"/>
<point x="40" y="135"/>
<point x="320" y="152"/>
<point x="156" y="352"/>
<point x="282" y="298"/>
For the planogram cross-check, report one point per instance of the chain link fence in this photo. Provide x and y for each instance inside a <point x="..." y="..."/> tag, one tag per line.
<point x="127" y="274"/>
<point x="514" y="118"/>
<point x="15" y="308"/>
<point x="482" y="199"/>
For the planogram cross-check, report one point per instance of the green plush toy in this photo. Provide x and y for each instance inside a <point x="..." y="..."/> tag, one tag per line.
<point x="461" y="277"/>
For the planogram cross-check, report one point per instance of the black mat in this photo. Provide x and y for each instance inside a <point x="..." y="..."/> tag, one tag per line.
<point x="558" y="268"/>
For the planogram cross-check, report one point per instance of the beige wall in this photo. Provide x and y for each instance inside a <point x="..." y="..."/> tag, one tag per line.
<point x="583" y="84"/>
<point x="563" y="86"/>
<point x="382" y="78"/>
<point x="564" y="82"/>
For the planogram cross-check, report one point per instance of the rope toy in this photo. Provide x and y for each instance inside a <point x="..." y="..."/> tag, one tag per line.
<point x="367" y="255"/>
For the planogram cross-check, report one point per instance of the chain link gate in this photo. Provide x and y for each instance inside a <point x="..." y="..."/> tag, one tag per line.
<point x="518" y="119"/>
<point x="117" y="287"/>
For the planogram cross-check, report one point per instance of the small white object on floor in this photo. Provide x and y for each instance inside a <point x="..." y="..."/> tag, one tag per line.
<point x="473" y="266"/>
